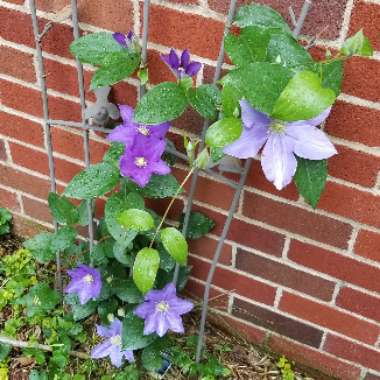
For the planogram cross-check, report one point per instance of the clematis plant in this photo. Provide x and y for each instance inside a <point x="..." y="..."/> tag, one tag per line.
<point x="181" y="66"/>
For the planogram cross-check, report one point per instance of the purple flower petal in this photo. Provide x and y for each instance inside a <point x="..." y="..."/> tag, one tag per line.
<point x="101" y="350"/>
<point x="314" y="122"/>
<point x="162" y="324"/>
<point x="128" y="354"/>
<point x="185" y="58"/>
<point x="278" y="161"/>
<point x="144" y="309"/>
<point x="249" y="143"/>
<point x="116" y="356"/>
<point x="180" y="306"/>
<point x="193" y="68"/>
<point x="126" y="113"/>
<point x="252" y="118"/>
<point x="160" y="168"/>
<point x="103" y="331"/>
<point x="120" y="38"/>
<point x="173" y="59"/>
<point x="122" y="134"/>
<point x="175" y="323"/>
<point x="168" y="291"/>
<point x="150" y="325"/>
<point x="311" y="142"/>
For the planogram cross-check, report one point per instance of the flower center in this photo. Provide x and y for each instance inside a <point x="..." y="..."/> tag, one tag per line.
<point x="277" y="127"/>
<point x="88" y="279"/>
<point x="116" y="340"/>
<point x="141" y="162"/>
<point x="143" y="130"/>
<point x="162" y="307"/>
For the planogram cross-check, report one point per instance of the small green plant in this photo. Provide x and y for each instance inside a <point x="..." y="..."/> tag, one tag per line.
<point x="5" y="221"/>
<point x="286" y="368"/>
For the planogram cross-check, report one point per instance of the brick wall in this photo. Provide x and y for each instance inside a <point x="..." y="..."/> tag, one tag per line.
<point x="305" y="282"/>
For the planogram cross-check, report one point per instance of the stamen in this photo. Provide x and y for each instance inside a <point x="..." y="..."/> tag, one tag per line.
<point x="141" y="162"/>
<point x="162" y="306"/>
<point x="143" y="130"/>
<point x="88" y="278"/>
<point x="116" y="340"/>
<point x="277" y="127"/>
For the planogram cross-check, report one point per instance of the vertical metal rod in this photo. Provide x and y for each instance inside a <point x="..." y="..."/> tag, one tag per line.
<point x="46" y="124"/>
<point x="305" y="9"/>
<point x="86" y="138"/>
<point x="234" y="205"/>
<point x="194" y="179"/>
<point x="144" y="48"/>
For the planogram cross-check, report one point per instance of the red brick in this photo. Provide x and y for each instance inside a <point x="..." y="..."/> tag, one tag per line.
<point x="158" y="70"/>
<point x="351" y="203"/>
<point x="19" y="2"/>
<point x="21" y="129"/>
<point x="3" y="153"/>
<point x="361" y="78"/>
<point x="160" y="205"/>
<point x="367" y="17"/>
<point x="257" y="180"/>
<point x="9" y="200"/>
<point x="328" y="14"/>
<point x="124" y="93"/>
<point x="329" y="317"/>
<point x="277" y="322"/>
<point x="308" y="357"/>
<point x="369" y="358"/>
<point x="59" y="108"/>
<point x="24" y="182"/>
<point x="371" y="376"/>
<point x="338" y="266"/>
<point x="52" y="5"/>
<point x="234" y="282"/>
<point x="17" y="63"/>
<point x="37" y="209"/>
<point x="354" y="166"/>
<point x="38" y="161"/>
<point x="71" y="145"/>
<point x="205" y="247"/>
<point x="189" y="121"/>
<point x="25" y="227"/>
<point x="354" y="123"/>
<point x="367" y="245"/>
<point x="284" y="275"/>
<point x="297" y="220"/>
<point x="247" y="234"/>
<point x="184" y="30"/>
<point x="360" y="303"/>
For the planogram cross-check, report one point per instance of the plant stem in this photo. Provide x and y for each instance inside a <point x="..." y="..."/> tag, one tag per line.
<point x="170" y="205"/>
<point x="43" y="347"/>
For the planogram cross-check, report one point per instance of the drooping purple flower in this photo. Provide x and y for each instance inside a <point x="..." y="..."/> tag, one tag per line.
<point x="181" y="66"/>
<point x="125" y="40"/>
<point x="86" y="282"/>
<point x="162" y="311"/>
<point x="281" y="141"/>
<point x="125" y="133"/>
<point x="142" y="159"/>
<point x="111" y="346"/>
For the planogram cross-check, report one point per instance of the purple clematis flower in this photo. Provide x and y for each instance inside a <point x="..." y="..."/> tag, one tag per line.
<point x="281" y="141"/>
<point x="142" y="159"/>
<point x="86" y="282"/>
<point x="162" y="311"/>
<point x="125" y="41"/>
<point x="111" y="346"/>
<point x="181" y="66"/>
<point x="125" y="133"/>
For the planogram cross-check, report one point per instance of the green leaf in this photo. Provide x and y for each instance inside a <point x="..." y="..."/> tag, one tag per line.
<point x="261" y="83"/>
<point x="127" y="291"/>
<point x="303" y="98"/>
<point x="136" y="220"/>
<point x="40" y="246"/>
<point x="310" y="178"/>
<point x="223" y="132"/>
<point x="175" y="243"/>
<point x="199" y="225"/>
<point x="114" y="153"/>
<point x="63" y="239"/>
<point x="358" y="44"/>
<point x="145" y="268"/>
<point x="40" y="300"/>
<point x="121" y="255"/>
<point x="152" y="356"/>
<point x="143" y="75"/>
<point x="97" y="48"/>
<point x="115" y="205"/>
<point x="106" y="308"/>
<point x="83" y="213"/>
<point x="167" y="263"/>
<point x="119" y="68"/>
<point x="332" y="75"/>
<point x="164" y="102"/>
<point x="80" y="311"/>
<point x="230" y="101"/>
<point x="262" y="17"/>
<point x="63" y="211"/>
<point x="133" y="337"/>
<point x="36" y="375"/>
<point x="159" y="186"/>
<point x="286" y="50"/>
<point x="5" y="349"/>
<point x="94" y="181"/>
<point x="205" y="100"/>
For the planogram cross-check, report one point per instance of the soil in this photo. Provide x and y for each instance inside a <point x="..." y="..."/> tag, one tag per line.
<point x="245" y="361"/>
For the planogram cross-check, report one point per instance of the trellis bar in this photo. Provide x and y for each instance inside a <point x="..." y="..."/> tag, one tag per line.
<point x="144" y="42"/>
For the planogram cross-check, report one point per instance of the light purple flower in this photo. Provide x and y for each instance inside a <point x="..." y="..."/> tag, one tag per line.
<point x="86" y="282"/>
<point x="125" y="133"/>
<point x="125" y="41"/>
<point x="143" y="159"/>
<point x="111" y="346"/>
<point x="181" y="66"/>
<point x="162" y="311"/>
<point x="281" y="141"/>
